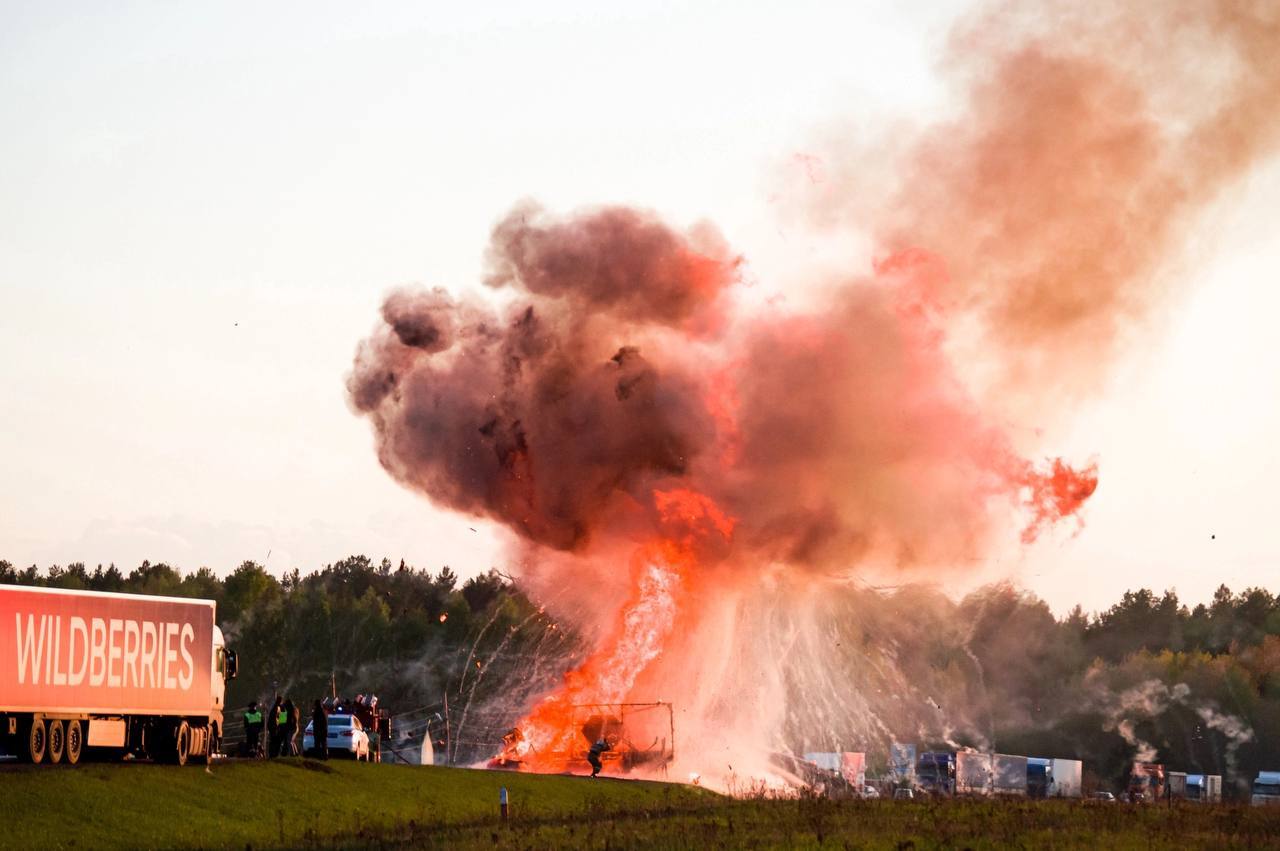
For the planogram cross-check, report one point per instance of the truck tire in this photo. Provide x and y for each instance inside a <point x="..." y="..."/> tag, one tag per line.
<point x="37" y="741"/>
<point x="75" y="743"/>
<point x="181" y="743"/>
<point x="57" y="741"/>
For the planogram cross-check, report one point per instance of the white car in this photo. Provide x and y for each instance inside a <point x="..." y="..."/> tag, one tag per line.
<point x="346" y="737"/>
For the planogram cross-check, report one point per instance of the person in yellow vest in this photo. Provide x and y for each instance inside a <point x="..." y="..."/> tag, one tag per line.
<point x="253" y="730"/>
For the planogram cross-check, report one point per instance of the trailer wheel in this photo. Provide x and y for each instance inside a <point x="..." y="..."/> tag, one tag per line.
<point x="181" y="743"/>
<point x="37" y="741"/>
<point x="75" y="743"/>
<point x="57" y="742"/>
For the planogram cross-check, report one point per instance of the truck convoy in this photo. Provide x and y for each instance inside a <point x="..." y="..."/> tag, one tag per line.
<point x="944" y="773"/>
<point x="84" y="671"/>
<point x="1149" y="782"/>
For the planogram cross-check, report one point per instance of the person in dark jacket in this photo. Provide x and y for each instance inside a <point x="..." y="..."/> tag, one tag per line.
<point x="274" y="728"/>
<point x="320" y="731"/>
<point x="253" y="729"/>
<point x="593" y="756"/>
<point x="289" y="745"/>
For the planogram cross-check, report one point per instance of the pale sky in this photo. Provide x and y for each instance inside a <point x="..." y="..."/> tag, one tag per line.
<point x="202" y="205"/>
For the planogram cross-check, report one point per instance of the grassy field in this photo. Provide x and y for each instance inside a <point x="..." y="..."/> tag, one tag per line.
<point x="296" y="803"/>
<point x="884" y="825"/>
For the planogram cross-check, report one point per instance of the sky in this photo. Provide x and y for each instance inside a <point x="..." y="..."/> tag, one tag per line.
<point x="202" y="206"/>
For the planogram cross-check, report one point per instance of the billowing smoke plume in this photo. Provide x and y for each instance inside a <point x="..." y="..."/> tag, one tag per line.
<point x="706" y="467"/>
<point x="1148" y="701"/>
<point x="558" y="417"/>
<point x="619" y="371"/>
<point x="1088" y="138"/>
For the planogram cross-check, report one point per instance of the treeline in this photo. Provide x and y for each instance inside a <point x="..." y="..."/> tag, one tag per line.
<point x="420" y="641"/>
<point x="1195" y="687"/>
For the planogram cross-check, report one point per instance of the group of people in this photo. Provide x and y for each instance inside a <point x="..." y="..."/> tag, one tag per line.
<point x="282" y="722"/>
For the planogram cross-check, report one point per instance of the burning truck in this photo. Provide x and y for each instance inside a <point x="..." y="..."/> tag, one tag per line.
<point x="636" y="736"/>
<point x="1147" y="782"/>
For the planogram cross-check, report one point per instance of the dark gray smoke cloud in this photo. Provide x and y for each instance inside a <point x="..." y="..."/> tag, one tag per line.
<point x="546" y="417"/>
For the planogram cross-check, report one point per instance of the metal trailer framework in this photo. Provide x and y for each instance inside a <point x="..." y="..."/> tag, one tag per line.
<point x="639" y="735"/>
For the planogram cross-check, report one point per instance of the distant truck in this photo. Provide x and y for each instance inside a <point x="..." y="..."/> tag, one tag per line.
<point x="1009" y="775"/>
<point x="973" y="773"/>
<point x="1068" y="779"/>
<point x="1054" y="778"/>
<point x="1039" y="777"/>
<point x="84" y="671"/>
<point x="936" y="773"/>
<point x="1147" y="782"/>
<point x="1205" y="788"/>
<point x="1266" y="789"/>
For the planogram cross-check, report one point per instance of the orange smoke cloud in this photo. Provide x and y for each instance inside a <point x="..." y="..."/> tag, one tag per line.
<point x="1088" y="138"/>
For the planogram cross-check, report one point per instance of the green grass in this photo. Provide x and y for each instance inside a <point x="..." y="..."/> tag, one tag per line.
<point x="297" y="803"/>
<point x="877" y="825"/>
<point x="290" y="803"/>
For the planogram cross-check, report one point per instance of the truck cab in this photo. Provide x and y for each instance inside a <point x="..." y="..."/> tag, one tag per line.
<point x="1266" y="789"/>
<point x="225" y="664"/>
<point x="1039" y="777"/>
<point x="936" y="772"/>
<point x="1147" y="782"/>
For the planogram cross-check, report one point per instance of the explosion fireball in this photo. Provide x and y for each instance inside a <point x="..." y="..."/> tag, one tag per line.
<point x="694" y="472"/>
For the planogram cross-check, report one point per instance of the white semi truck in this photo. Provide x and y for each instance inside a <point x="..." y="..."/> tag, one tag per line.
<point x="85" y="671"/>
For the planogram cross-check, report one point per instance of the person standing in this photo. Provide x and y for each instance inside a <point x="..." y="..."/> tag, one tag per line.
<point x="289" y="747"/>
<point x="593" y="755"/>
<point x="253" y="729"/>
<point x="320" y="731"/>
<point x="274" y="728"/>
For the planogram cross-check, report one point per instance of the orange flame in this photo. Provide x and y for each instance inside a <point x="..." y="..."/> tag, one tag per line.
<point x="691" y="526"/>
